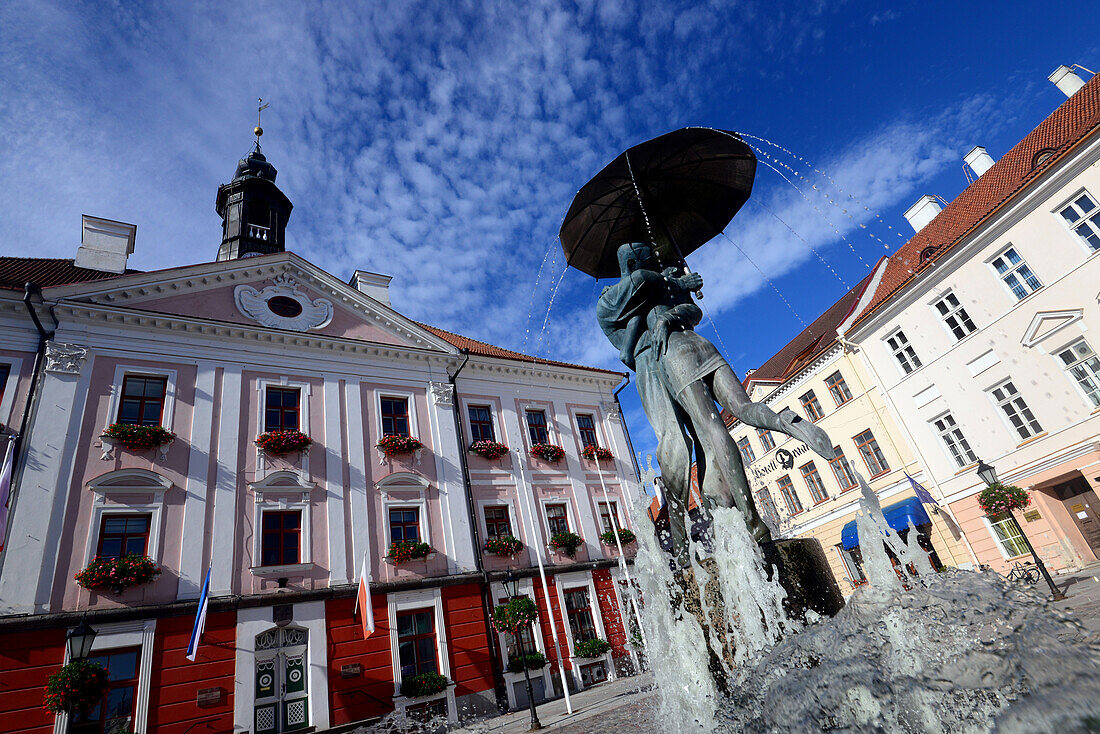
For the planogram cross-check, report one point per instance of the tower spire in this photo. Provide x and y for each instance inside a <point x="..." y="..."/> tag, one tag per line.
<point x="260" y="108"/>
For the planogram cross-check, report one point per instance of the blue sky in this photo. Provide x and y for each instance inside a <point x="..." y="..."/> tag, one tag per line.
<point x="441" y="143"/>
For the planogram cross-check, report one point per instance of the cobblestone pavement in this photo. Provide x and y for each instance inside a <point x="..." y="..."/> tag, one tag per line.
<point x="629" y="705"/>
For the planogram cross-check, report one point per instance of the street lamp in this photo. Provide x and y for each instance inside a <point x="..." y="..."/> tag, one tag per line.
<point x="511" y="587"/>
<point x="989" y="475"/>
<point x="80" y="639"/>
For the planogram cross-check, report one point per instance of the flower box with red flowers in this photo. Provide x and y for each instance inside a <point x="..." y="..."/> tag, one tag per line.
<point x="998" y="499"/>
<point x="597" y="453"/>
<point x="591" y="648"/>
<point x="515" y="615"/>
<point x="423" y="684"/>
<point x="138" y="438"/>
<point x="490" y="450"/>
<point x="505" y="546"/>
<point x="625" y="537"/>
<point x="281" y="443"/>
<point x="117" y="574"/>
<point x="566" y="542"/>
<point x="402" y="551"/>
<point x="547" y="452"/>
<point x="76" y="688"/>
<point x="395" y="445"/>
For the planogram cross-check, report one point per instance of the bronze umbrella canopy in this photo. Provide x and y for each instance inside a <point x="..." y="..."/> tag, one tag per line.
<point x="690" y="181"/>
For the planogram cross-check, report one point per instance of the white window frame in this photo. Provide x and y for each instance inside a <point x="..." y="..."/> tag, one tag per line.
<point x="526" y="588"/>
<point x="122" y="371"/>
<point x="139" y="633"/>
<point x="493" y="418"/>
<point x="266" y="502"/>
<point x="999" y="407"/>
<point x="410" y="398"/>
<point x="1065" y="369"/>
<point x="570" y="514"/>
<point x="15" y="366"/>
<point x="942" y="436"/>
<point x="997" y="540"/>
<point x="953" y="313"/>
<point x="613" y="500"/>
<point x="513" y="518"/>
<point x="106" y="490"/>
<point x="552" y="434"/>
<point x="1071" y="201"/>
<point x="894" y="353"/>
<point x="284" y="382"/>
<point x="1014" y="269"/>
<point x="568" y="582"/>
<point x="597" y="423"/>
<point x="402" y="601"/>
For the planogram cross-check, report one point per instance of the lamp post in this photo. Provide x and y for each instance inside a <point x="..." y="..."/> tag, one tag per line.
<point x="511" y="587"/>
<point x="79" y="640"/>
<point x="989" y="475"/>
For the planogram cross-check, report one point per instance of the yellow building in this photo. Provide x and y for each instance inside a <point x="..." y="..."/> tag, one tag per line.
<point x="802" y="494"/>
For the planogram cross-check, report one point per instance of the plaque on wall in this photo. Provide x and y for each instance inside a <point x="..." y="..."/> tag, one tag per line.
<point x="1032" y="515"/>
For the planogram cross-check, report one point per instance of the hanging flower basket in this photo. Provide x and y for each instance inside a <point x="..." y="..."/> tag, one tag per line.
<point x="76" y="688"/>
<point x="515" y="614"/>
<point x="997" y="499"/>
<point x="490" y="450"/>
<point x="590" y="648"/>
<point x="408" y="550"/>
<point x="424" y="684"/>
<point x="533" y="660"/>
<point x="548" y="452"/>
<point x="566" y="542"/>
<point x="597" y="453"/>
<point x="506" y="546"/>
<point x="394" y="445"/>
<point x="625" y="537"/>
<point x="117" y="574"/>
<point x="138" y="438"/>
<point x="281" y="443"/>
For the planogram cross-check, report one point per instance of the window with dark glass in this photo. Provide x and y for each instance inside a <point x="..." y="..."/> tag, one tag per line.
<point x="954" y="316"/>
<point x="557" y="519"/>
<point x="587" y="428"/>
<point x="786" y="488"/>
<point x="811" y="406"/>
<point x="903" y="351"/>
<point x="481" y="423"/>
<point x="121" y="535"/>
<point x="497" y="524"/>
<point x="536" y="426"/>
<point x="142" y="401"/>
<point x="510" y="638"/>
<point x="609" y="516"/>
<point x="766" y="439"/>
<point x="416" y="644"/>
<point x="871" y="453"/>
<point x="580" y="615"/>
<point x="747" y="455"/>
<point x="404" y="524"/>
<point x="838" y="389"/>
<point x="282" y="409"/>
<point x="115" y="711"/>
<point x="395" y="416"/>
<point x="814" y="483"/>
<point x="281" y="539"/>
<point x="1083" y="217"/>
<point x="842" y="470"/>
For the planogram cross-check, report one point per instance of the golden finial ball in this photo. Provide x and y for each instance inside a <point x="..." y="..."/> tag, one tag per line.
<point x="259" y="131"/>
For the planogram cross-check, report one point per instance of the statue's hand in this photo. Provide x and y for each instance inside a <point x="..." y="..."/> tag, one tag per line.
<point x="691" y="281"/>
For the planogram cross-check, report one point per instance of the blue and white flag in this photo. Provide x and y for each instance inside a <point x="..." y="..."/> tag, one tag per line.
<point x="200" y="619"/>
<point x="921" y="492"/>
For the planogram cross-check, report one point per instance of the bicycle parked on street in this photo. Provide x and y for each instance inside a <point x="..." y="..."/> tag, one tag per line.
<point x="1027" y="572"/>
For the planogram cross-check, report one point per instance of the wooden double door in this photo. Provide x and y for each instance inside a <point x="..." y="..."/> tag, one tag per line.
<point x="1083" y="506"/>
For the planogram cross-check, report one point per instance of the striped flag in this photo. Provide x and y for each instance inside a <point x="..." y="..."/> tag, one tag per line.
<point x="5" y="489"/>
<point x="200" y="619"/>
<point x="363" y="601"/>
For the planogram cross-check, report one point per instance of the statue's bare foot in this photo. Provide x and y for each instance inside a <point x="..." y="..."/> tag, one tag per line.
<point x="806" y="432"/>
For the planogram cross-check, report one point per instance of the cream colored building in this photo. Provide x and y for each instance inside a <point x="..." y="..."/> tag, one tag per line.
<point x="983" y="331"/>
<point x="804" y="495"/>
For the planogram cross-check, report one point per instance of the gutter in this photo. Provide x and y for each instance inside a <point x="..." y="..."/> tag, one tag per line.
<point x="495" y="654"/>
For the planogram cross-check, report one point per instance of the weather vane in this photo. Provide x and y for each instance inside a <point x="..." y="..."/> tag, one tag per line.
<point x="259" y="130"/>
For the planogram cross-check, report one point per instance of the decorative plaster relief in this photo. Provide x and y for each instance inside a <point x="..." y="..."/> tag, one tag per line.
<point x="611" y="409"/>
<point x="1046" y="323"/>
<point x="65" y="359"/>
<point x="443" y="393"/>
<point x="276" y="304"/>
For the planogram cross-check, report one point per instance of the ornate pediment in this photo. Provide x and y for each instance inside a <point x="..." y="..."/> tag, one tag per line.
<point x="1047" y="323"/>
<point x="282" y="305"/>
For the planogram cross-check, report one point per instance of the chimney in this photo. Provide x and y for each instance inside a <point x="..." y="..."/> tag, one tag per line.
<point x="373" y="284"/>
<point x="105" y="244"/>
<point x="1066" y="79"/>
<point x="979" y="160"/>
<point x="923" y="212"/>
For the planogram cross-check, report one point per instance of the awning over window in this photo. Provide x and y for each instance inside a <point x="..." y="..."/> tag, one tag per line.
<point x="898" y="517"/>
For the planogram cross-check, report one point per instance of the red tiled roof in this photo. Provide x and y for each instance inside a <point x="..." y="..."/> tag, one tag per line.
<point x="482" y="349"/>
<point x="1063" y="129"/>
<point x="46" y="271"/>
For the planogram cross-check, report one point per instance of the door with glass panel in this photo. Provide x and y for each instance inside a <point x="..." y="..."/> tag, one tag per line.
<point x="282" y="694"/>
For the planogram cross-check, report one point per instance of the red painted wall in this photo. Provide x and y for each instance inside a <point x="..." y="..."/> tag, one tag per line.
<point x="547" y="636"/>
<point x="370" y="694"/>
<point x="27" y="659"/>
<point x="471" y="662"/>
<point x="609" y="610"/>
<point x="176" y="681"/>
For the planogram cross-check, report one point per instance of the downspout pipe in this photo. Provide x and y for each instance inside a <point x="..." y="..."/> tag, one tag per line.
<point x="29" y="291"/>
<point x="495" y="656"/>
